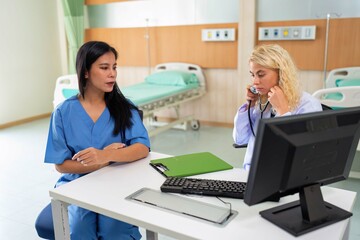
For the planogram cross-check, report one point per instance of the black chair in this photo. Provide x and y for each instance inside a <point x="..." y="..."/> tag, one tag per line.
<point x="44" y="223"/>
<point x="325" y="107"/>
<point x="239" y="145"/>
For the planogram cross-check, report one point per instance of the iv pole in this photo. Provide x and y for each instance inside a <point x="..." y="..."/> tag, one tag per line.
<point x="328" y="16"/>
<point x="147" y="37"/>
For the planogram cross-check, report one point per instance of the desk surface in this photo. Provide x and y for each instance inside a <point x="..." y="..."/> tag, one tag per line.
<point x="104" y="191"/>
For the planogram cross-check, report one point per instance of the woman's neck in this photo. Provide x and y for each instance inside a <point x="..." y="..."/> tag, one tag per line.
<point x="94" y="98"/>
<point x="263" y="99"/>
<point x="94" y="106"/>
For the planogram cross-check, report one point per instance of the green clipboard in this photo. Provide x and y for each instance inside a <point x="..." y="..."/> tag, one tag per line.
<point x="189" y="164"/>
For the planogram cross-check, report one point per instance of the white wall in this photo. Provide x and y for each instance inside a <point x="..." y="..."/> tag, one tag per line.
<point x="190" y="12"/>
<point x="30" y="58"/>
<point x="284" y="10"/>
<point x="163" y="13"/>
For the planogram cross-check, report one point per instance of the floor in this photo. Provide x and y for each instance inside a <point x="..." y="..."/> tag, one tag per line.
<point x="25" y="179"/>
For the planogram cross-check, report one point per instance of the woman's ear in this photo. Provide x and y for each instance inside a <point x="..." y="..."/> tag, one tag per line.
<point x="86" y="74"/>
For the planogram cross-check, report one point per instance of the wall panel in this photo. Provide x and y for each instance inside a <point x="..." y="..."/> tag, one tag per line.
<point x="343" y="48"/>
<point x="344" y="43"/>
<point x="308" y="54"/>
<point x="168" y="44"/>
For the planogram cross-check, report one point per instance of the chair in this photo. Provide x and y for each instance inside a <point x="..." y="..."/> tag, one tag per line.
<point x="44" y="223"/>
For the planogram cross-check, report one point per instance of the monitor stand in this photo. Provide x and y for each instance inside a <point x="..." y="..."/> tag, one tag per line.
<point x="306" y="215"/>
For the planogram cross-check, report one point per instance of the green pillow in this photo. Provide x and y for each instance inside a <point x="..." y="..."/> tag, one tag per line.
<point x="172" y="78"/>
<point x="347" y="82"/>
<point x="69" y="92"/>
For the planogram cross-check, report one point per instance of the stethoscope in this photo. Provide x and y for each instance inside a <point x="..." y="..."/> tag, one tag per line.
<point x="262" y="107"/>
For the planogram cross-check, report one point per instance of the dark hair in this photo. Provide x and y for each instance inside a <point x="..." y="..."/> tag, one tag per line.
<point x="119" y="107"/>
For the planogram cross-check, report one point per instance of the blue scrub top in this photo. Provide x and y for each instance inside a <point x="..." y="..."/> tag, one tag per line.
<point x="72" y="130"/>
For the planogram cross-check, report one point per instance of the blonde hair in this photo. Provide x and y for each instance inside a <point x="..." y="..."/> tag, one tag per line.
<point x="274" y="57"/>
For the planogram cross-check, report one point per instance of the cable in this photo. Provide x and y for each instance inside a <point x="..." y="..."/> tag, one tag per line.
<point x="251" y="126"/>
<point x="261" y="110"/>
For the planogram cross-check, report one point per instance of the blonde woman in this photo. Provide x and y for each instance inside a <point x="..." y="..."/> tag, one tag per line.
<point x="275" y="92"/>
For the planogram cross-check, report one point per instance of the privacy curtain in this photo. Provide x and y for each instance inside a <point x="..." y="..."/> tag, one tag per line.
<point x="74" y="28"/>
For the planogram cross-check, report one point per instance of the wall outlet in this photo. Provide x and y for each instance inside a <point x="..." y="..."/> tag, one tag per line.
<point x="220" y="34"/>
<point x="287" y="33"/>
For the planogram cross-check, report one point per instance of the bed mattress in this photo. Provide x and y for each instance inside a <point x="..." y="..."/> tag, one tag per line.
<point x="144" y="93"/>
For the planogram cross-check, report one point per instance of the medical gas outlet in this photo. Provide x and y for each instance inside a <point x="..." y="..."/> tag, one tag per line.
<point x="287" y="33"/>
<point x="220" y="34"/>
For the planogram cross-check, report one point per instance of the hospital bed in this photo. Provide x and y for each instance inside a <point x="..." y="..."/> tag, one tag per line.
<point x="339" y="97"/>
<point x="341" y="77"/>
<point x="342" y="89"/>
<point x="171" y="85"/>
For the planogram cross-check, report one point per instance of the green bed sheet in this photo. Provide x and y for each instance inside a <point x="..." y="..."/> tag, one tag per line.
<point x="143" y="93"/>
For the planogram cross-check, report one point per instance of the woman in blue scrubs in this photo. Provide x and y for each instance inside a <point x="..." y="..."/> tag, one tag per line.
<point x="91" y="130"/>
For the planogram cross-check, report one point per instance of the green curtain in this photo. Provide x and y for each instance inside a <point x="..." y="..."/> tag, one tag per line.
<point x="74" y="27"/>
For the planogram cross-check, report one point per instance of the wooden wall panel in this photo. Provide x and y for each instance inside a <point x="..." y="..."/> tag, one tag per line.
<point x="308" y="54"/>
<point x="168" y="44"/>
<point x="343" y="48"/>
<point x="129" y="42"/>
<point x="344" y="43"/>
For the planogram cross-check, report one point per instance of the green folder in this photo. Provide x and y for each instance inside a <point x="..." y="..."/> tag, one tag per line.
<point x="189" y="164"/>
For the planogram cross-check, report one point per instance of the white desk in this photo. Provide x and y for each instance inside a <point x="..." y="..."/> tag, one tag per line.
<point x="104" y="191"/>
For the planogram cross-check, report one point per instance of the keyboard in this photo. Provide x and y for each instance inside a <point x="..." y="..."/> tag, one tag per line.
<point x="208" y="187"/>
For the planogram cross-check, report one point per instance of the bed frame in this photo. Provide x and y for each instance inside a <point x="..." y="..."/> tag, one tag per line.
<point x="349" y="95"/>
<point x="70" y="83"/>
<point x="341" y="96"/>
<point x="64" y="83"/>
<point x="174" y="101"/>
<point x="348" y="73"/>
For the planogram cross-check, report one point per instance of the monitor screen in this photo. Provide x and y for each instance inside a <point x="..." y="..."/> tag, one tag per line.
<point x="298" y="154"/>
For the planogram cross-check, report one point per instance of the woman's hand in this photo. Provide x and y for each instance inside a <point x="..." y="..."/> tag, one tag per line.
<point x="92" y="159"/>
<point x="251" y="96"/>
<point x="90" y="156"/>
<point x="278" y="100"/>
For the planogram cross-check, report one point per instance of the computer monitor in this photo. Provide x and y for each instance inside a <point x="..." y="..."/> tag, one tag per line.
<point x="298" y="154"/>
